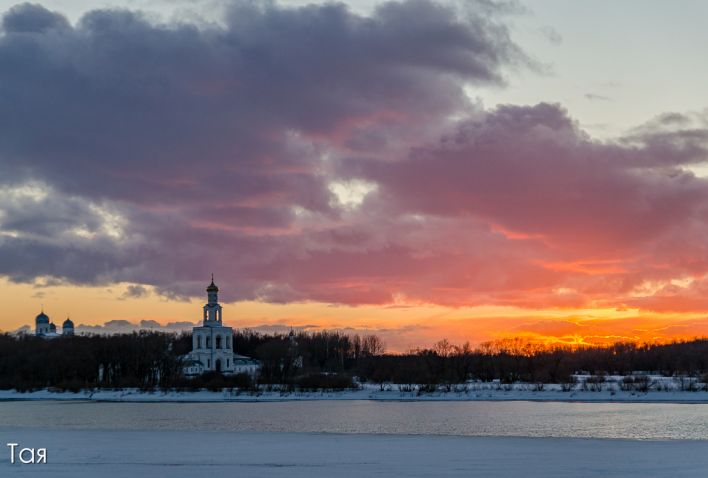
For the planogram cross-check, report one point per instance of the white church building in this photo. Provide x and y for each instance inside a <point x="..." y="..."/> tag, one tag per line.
<point x="212" y="343"/>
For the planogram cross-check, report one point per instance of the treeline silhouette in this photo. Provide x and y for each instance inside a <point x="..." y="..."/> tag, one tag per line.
<point x="322" y="360"/>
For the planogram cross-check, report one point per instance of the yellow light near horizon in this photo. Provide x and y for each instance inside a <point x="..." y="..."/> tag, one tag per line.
<point x="401" y="326"/>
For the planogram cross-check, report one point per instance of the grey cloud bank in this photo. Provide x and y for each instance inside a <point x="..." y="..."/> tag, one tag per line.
<point x="154" y="153"/>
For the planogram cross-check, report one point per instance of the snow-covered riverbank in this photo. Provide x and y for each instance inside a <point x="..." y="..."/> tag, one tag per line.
<point x="668" y="391"/>
<point x="145" y="454"/>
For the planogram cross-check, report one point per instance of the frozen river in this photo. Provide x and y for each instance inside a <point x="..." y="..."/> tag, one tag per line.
<point x="637" y="421"/>
<point x="357" y="438"/>
<point x="198" y="454"/>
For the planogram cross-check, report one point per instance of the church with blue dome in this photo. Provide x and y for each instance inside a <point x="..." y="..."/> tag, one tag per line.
<point x="44" y="327"/>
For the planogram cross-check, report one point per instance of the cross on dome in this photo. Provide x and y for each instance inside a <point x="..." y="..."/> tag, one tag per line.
<point x="212" y="287"/>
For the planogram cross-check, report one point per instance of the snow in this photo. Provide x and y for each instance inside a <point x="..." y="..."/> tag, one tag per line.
<point x="146" y="454"/>
<point x="82" y="448"/>
<point x="664" y="390"/>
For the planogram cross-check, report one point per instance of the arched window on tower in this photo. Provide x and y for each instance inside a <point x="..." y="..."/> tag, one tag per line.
<point x="199" y="341"/>
<point x="218" y="341"/>
<point x="208" y="342"/>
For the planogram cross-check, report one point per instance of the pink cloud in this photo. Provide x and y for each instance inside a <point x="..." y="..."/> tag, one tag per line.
<point x="215" y="148"/>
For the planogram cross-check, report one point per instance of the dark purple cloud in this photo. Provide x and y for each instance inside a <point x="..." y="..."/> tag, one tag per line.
<point x="532" y="171"/>
<point x="201" y="143"/>
<point x="156" y="153"/>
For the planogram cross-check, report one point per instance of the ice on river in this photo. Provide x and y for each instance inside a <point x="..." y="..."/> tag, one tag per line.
<point x="176" y="454"/>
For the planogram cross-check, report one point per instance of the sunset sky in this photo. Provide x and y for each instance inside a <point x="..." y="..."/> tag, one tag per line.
<point x="471" y="170"/>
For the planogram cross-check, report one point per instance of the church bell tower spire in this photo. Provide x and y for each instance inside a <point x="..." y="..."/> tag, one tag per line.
<point x="212" y="309"/>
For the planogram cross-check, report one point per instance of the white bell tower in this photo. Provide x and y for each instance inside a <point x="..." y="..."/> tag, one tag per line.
<point x="213" y="343"/>
<point x="212" y="309"/>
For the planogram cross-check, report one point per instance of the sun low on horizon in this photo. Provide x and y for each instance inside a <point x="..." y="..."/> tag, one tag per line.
<point x="416" y="169"/>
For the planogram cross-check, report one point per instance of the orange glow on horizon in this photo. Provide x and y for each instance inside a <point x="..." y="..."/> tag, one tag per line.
<point x="402" y="326"/>
<point x="609" y="266"/>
